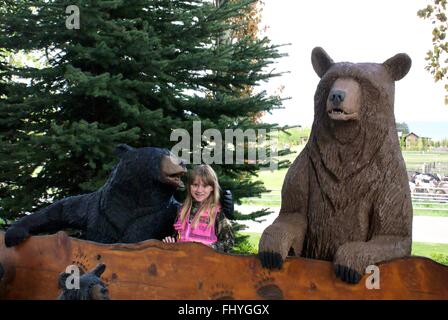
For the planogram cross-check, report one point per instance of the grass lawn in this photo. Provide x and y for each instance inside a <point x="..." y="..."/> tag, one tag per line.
<point x="433" y="213"/>
<point x="435" y="251"/>
<point x="425" y="249"/>
<point x="273" y="180"/>
<point x="415" y="158"/>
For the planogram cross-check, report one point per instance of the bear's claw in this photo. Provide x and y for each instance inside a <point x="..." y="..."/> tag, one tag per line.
<point x="270" y="259"/>
<point x="347" y="274"/>
<point x="15" y="235"/>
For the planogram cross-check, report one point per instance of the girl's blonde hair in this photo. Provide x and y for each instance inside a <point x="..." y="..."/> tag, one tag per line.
<point x="209" y="178"/>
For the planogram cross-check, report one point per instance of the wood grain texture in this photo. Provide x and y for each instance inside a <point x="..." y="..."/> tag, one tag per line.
<point x="155" y="270"/>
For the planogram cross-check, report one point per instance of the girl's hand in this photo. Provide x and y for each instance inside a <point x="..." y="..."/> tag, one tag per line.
<point x="169" y="240"/>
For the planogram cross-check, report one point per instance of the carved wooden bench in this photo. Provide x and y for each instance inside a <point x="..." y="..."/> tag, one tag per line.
<point x="155" y="270"/>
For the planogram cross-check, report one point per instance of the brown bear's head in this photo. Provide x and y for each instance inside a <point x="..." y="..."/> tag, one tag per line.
<point x="350" y="96"/>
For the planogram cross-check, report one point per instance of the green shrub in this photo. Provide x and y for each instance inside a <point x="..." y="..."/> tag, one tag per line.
<point x="244" y="246"/>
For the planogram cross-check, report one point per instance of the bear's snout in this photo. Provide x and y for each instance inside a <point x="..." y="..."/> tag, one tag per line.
<point x="336" y="97"/>
<point x="344" y="100"/>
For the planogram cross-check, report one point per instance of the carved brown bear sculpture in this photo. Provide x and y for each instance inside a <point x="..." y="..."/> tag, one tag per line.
<point x="346" y="197"/>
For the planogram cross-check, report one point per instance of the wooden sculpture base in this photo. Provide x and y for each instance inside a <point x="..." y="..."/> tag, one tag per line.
<point x="155" y="270"/>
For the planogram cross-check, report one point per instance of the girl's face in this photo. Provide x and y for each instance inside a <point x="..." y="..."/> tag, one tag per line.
<point x="199" y="190"/>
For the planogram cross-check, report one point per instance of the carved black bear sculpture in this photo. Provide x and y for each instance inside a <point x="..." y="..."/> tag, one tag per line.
<point x="135" y="204"/>
<point x="346" y="197"/>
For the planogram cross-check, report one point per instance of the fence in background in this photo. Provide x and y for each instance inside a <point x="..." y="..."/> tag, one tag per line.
<point x="430" y="199"/>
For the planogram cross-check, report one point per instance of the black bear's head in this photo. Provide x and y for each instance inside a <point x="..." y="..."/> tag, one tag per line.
<point x="143" y="183"/>
<point x="90" y="286"/>
<point x="151" y="166"/>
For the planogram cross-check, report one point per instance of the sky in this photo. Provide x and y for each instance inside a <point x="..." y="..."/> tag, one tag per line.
<point x="355" y="31"/>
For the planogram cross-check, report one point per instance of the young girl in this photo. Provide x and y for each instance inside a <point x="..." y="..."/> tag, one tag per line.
<point x="200" y="218"/>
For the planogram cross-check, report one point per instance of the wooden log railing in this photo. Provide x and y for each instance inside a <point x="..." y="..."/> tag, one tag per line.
<point x="155" y="270"/>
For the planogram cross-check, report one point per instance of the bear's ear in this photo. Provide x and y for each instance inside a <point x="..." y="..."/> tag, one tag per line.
<point x="99" y="269"/>
<point x="321" y="61"/>
<point x="121" y="149"/>
<point x="398" y="66"/>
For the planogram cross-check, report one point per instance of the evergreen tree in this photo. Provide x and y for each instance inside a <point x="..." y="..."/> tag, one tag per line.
<point x="132" y="73"/>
